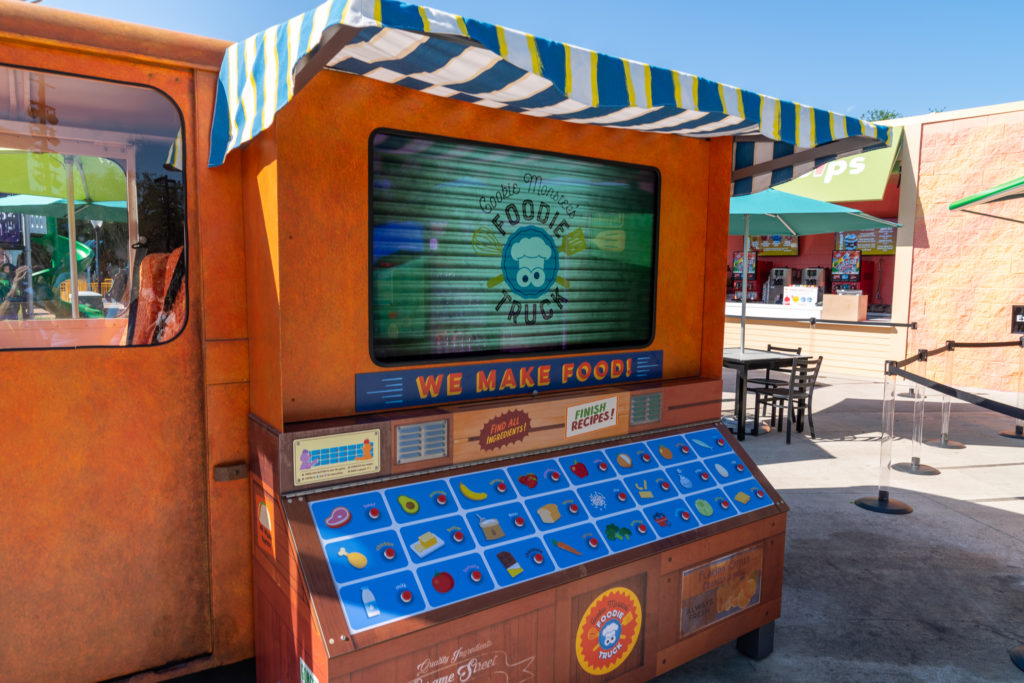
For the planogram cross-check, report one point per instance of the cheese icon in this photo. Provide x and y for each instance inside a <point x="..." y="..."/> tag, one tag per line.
<point x="426" y="544"/>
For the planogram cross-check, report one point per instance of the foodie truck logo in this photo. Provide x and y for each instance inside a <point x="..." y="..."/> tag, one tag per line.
<point x="528" y="226"/>
<point x="608" y="631"/>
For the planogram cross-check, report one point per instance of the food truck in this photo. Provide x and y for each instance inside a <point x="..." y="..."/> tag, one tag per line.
<point x="392" y="352"/>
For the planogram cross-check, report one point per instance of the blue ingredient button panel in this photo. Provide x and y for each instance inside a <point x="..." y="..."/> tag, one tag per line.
<point x="500" y="524"/>
<point x="672" y="450"/>
<point x="712" y="505"/>
<point x="404" y="550"/>
<point x="352" y="559"/>
<point x="455" y="579"/>
<point x="437" y="538"/>
<point x="575" y="545"/>
<point x="381" y="600"/>
<point x="708" y="442"/>
<point x="587" y="468"/>
<point x="480" y="489"/>
<point x="631" y="458"/>
<point x="650" y="487"/>
<point x="518" y="562"/>
<point x="542" y="476"/>
<point x="606" y="498"/>
<point x="556" y="510"/>
<point x="748" y="495"/>
<point x="728" y="468"/>
<point x="693" y="476"/>
<point x="420" y="501"/>
<point x="350" y="516"/>
<point x="627" y="530"/>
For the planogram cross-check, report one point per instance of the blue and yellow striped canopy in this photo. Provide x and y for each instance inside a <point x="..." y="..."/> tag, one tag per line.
<point x="463" y="59"/>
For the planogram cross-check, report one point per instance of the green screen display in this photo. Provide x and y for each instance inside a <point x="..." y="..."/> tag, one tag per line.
<point x="480" y="250"/>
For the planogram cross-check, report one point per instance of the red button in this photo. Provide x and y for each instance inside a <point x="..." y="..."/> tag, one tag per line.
<point x="759" y="493"/>
<point x="458" y="537"/>
<point x="592" y="542"/>
<point x="704" y="476"/>
<point x="574" y="508"/>
<point x="373" y="513"/>
<point x="664" y="486"/>
<point x="739" y="467"/>
<point x="684" y="448"/>
<point x="442" y="499"/>
<point x="389" y="553"/>
<point x="405" y="596"/>
<point x="475" y="576"/>
<point x="519" y="521"/>
<point x="642" y="528"/>
<point x="555" y="476"/>
<point x="621" y="496"/>
<point x="538" y="558"/>
<point x="721" y="442"/>
<point x="603" y="466"/>
<point x="645" y="457"/>
<point x="724" y="504"/>
<point x="501" y="487"/>
<point x="685" y="515"/>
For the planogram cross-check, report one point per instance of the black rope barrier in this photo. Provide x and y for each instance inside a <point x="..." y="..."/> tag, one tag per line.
<point x="892" y="368"/>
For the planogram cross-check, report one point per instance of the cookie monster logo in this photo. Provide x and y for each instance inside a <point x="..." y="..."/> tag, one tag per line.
<point x="529" y="262"/>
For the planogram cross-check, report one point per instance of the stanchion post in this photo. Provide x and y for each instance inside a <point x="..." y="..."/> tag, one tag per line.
<point x="883" y="503"/>
<point x="947" y="378"/>
<point x="915" y="466"/>
<point x="1018" y="429"/>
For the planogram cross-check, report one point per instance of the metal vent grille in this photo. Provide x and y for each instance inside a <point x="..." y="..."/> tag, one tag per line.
<point x="421" y="441"/>
<point x="645" y="408"/>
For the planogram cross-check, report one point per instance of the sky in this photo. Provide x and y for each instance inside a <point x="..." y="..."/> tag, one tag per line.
<point x="904" y="56"/>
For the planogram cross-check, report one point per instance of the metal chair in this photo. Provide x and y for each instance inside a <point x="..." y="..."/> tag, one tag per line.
<point x="769" y="380"/>
<point x="795" y="398"/>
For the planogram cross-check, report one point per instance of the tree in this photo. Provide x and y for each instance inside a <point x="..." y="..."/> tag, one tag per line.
<point x="880" y="115"/>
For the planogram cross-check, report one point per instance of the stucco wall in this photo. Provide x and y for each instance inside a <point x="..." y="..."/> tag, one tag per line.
<point x="968" y="268"/>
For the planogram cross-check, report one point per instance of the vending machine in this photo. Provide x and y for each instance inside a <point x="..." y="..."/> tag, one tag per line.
<point x="850" y="273"/>
<point x="778" y="280"/>
<point x="757" y="275"/>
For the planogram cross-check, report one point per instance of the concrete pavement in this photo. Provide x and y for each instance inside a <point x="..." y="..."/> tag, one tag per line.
<point x="936" y="595"/>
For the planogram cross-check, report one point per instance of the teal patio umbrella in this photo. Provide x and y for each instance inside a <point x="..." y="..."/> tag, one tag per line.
<point x="774" y="212"/>
<point x="53" y="207"/>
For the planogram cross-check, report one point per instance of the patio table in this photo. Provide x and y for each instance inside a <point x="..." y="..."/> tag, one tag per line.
<point x="743" y="361"/>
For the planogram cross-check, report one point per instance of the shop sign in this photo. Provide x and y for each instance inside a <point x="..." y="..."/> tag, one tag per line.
<point x="1017" y="322"/>
<point x="590" y="417"/>
<point x="608" y="631"/>
<point x="425" y="386"/>
<point x="720" y="588"/>
<point x="504" y="430"/>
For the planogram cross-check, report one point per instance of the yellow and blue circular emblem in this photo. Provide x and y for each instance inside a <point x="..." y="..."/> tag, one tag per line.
<point x="608" y="631"/>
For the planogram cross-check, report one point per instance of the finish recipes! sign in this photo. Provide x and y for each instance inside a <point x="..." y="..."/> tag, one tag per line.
<point x="425" y="386"/>
<point x="590" y="417"/>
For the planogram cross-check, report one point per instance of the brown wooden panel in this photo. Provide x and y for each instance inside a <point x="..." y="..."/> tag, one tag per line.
<point x="543" y="421"/>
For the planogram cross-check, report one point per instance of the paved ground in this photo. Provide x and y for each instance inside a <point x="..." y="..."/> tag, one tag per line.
<point x="936" y="595"/>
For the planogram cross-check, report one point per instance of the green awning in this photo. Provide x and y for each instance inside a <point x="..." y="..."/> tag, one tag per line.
<point x="858" y="178"/>
<point x="1008" y="190"/>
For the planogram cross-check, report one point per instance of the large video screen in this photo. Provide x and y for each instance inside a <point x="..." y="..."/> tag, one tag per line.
<point x="479" y="250"/>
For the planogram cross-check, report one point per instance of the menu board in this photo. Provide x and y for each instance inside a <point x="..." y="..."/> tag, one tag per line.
<point x="776" y="245"/>
<point x="877" y="242"/>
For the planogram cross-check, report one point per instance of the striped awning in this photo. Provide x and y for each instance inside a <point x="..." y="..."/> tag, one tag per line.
<point x="463" y="59"/>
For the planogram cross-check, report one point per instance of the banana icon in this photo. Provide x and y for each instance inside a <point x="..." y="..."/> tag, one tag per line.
<point x="471" y="494"/>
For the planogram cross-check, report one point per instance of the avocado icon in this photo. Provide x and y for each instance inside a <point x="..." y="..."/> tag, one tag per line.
<point x="409" y="505"/>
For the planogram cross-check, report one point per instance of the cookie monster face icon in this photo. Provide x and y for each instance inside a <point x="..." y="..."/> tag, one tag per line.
<point x="529" y="262"/>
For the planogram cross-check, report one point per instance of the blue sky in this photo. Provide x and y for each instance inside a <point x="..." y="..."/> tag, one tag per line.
<point x="901" y="55"/>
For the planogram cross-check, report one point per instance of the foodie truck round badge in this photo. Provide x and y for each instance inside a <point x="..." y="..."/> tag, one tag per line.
<point x="608" y="631"/>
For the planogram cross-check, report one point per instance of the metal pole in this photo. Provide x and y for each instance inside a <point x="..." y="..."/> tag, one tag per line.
<point x="944" y="441"/>
<point x="883" y="503"/>
<point x="1018" y="428"/>
<point x="743" y="302"/>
